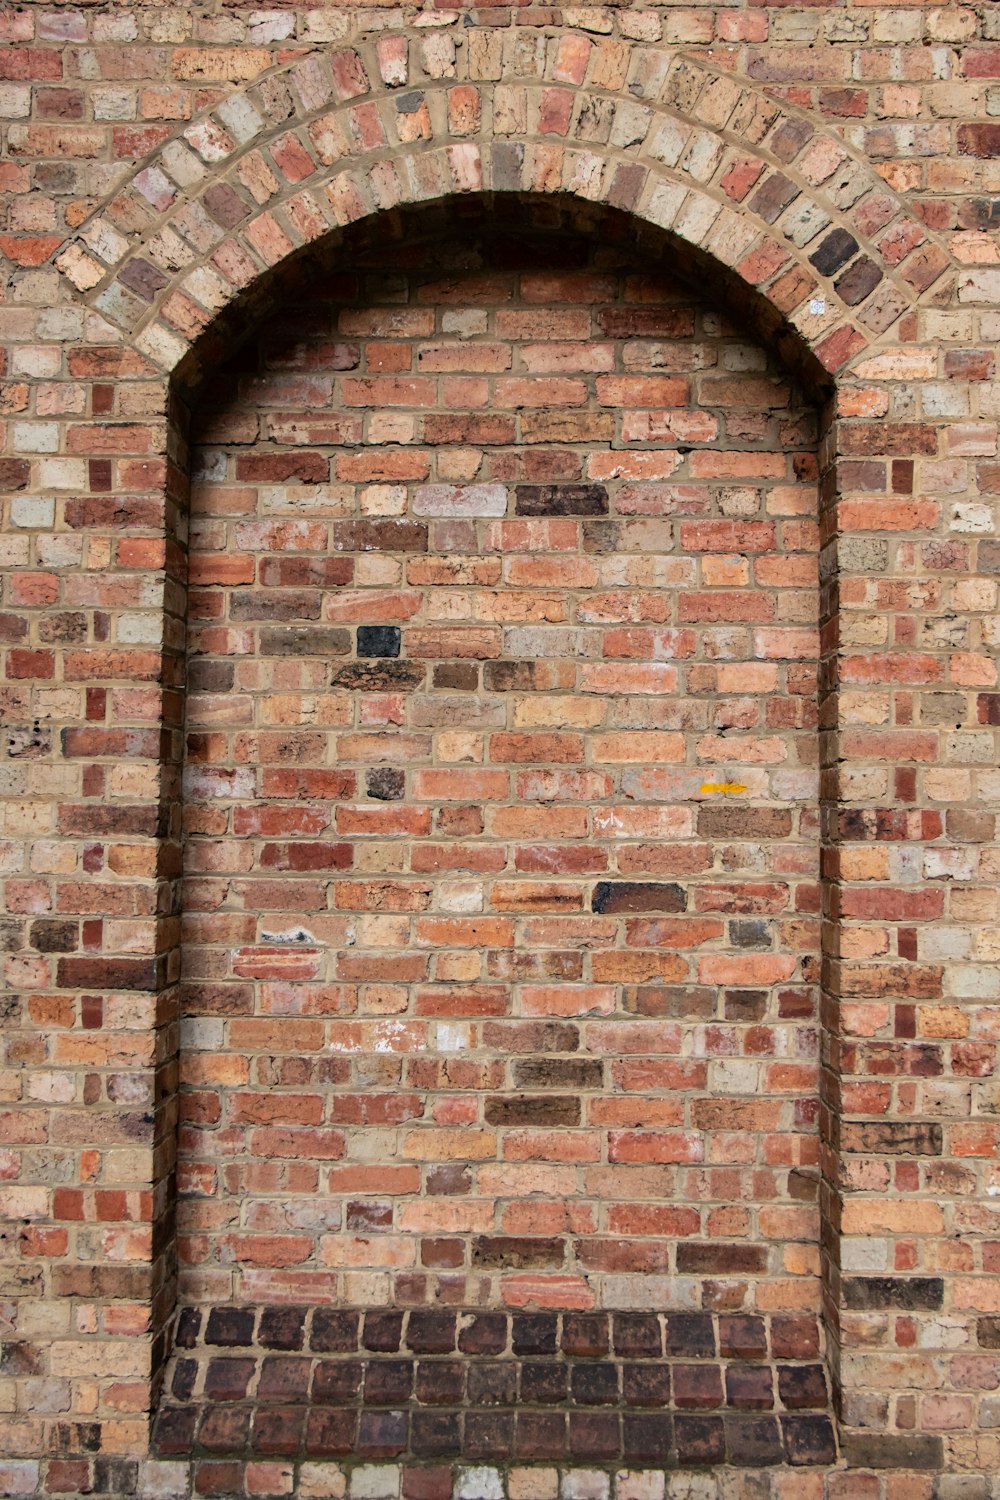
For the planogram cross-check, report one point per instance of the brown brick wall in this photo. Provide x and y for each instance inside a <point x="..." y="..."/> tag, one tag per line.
<point x="825" y="178"/>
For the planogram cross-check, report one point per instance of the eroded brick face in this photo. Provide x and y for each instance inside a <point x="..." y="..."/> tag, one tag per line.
<point x="500" y="803"/>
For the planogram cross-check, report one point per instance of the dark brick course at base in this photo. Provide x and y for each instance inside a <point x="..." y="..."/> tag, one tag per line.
<point x="677" y="1390"/>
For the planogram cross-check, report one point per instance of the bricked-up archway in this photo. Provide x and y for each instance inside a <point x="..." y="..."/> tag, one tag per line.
<point x="787" y="213"/>
<point x="502" y="677"/>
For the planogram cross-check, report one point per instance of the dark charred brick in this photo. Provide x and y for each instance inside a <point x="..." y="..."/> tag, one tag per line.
<point x="379" y="640"/>
<point x="629" y="896"/>
<point x="282" y="1327"/>
<point x="330" y="1434"/>
<point x="697" y="1387"/>
<point x="230" y="1327"/>
<point x="15" y="474"/>
<point x="228" y="1379"/>
<point x="283" y="1377"/>
<point x="742" y="1337"/>
<point x="379" y="536"/>
<point x="510" y="676"/>
<point x="560" y="500"/>
<point x="637" y="1335"/>
<point x="858" y="281"/>
<point x="595" y="1434"/>
<point x="802" y="1387"/>
<point x="188" y="1328"/>
<point x="559" y="1072"/>
<point x="690" y="1335"/>
<point x="436" y="1434"/>
<point x="833" y="252"/>
<point x="174" y="1430"/>
<point x="382" y="1331"/>
<point x="721" y="1260"/>
<point x="383" y="1434"/>
<point x="534" y="1333"/>
<point x="794" y="1336"/>
<point x="388" y="1382"/>
<point x="109" y="973"/>
<point x="430" y="1331"/>
<point x="540" y="1435"/>
<point x="518" y="1251"/>
<point x="225" y="1429"/>
<point x="488" y="1435"/>
<point x="304" y="640"/>
<point x="753" y="1441"/>
<point x="337" y="1381"/>
<point x="543" y="1382"/>
<point x="646" y="1384"/>
<point x="810" y="1440"/>
<point x="988" y="1332"/>
<point x="586" y="1335"/>
<point x="485" y="1333"/>
<point x="492" y="1382"/>
<point x="378" y="676"/>
<point x="386" y="783"/>
<point x="277" y="1431"/>
<point x="909" y="1292"/>
<point x="184" y="1379"/>
<point x="749" y="1387"/>
<point x="49" y="936"/>
<point x="334" y="1331"/>
<point x="210" y="676"/>
<point x="456" y="676"/>
<point x="525" y="1109"/>
<point x="700" y="1440"/>
<point x="750" y="933"/>
<point x="595" y="1384"/>
<point x="745" y="1005"/>
<point x="647" y="1438"/>
<point x="115" y="1476"/>
<point x="440" y="1382"/>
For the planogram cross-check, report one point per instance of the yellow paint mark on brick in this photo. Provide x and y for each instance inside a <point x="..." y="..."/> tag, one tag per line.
<point x="727" y="788"/>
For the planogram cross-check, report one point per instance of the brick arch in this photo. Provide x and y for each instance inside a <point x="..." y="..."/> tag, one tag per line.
<point x="333" y="138"/>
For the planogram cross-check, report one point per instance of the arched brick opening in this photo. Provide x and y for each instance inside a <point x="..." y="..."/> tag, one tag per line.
<point x="663" y="954"/>
<point x="710" y="195"/>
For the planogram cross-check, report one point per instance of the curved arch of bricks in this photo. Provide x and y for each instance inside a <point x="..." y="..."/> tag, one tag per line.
<point x="333" y="138"/>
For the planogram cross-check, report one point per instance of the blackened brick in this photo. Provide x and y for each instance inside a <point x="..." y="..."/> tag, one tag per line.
<point x="534" y="1333"/>
<point x="540" y="1435"/>
<point x="283" y="1377"/>
<point x="388" y="1382"/>
<point x="225" y="1429"/>
<point x="337" y="1381"/>
<point x="802" y="1387"/>
<point x="561" y="500"/>
<point x="595" y="1384"/>
<point x="382" y="1331"/>
<point x="282" y="1327"/>
<point x="543" y="1382"/>
<point x="631" y="895"/>
<point x="440" y="1382"/>
<point x="484" y="1333"/>
<point x="436" y="1434"/>
<point x="383" y="1434"/>
<point x="647" y="1438"/>
<point x="638" y="1335"/>
<point x="700" y="1440"/>
<point x="379" y="640"/>
<point x="912" y="1292"/>
<point x="431" y="1332"/>
<point x="833" y="252"/>
<point x="330" y="1434"/>
<point x="488" y="1435"/>
<point x="697" y="1387"/>
<point x="750" y="1387"/>
<point x="595" y="1434"/>
<point x="646" y="1384"/>
<point x="277" y="1431"/>
<point x="334" y="1331"/>
<point x="753" y="1441"/>
<point x="228" y="1379"/>
<point x="810" y="1440"/>
<point x="586" y="1334"/>
<point x="174" y="1430"/>
<point x="690" y="1335"/>
<point x="742" y="1337"/>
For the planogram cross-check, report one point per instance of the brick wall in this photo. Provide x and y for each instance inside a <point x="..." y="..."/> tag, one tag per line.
<point x="498" y="674"/>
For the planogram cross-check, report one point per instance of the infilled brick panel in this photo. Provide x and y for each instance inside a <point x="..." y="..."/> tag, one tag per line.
<point x="500" y="798"/>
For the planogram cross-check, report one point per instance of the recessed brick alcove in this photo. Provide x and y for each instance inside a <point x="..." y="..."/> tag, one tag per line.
<point x="498" y="1108"/>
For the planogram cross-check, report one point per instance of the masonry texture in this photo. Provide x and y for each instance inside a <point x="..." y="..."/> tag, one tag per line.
<point x="498" y="618"/>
